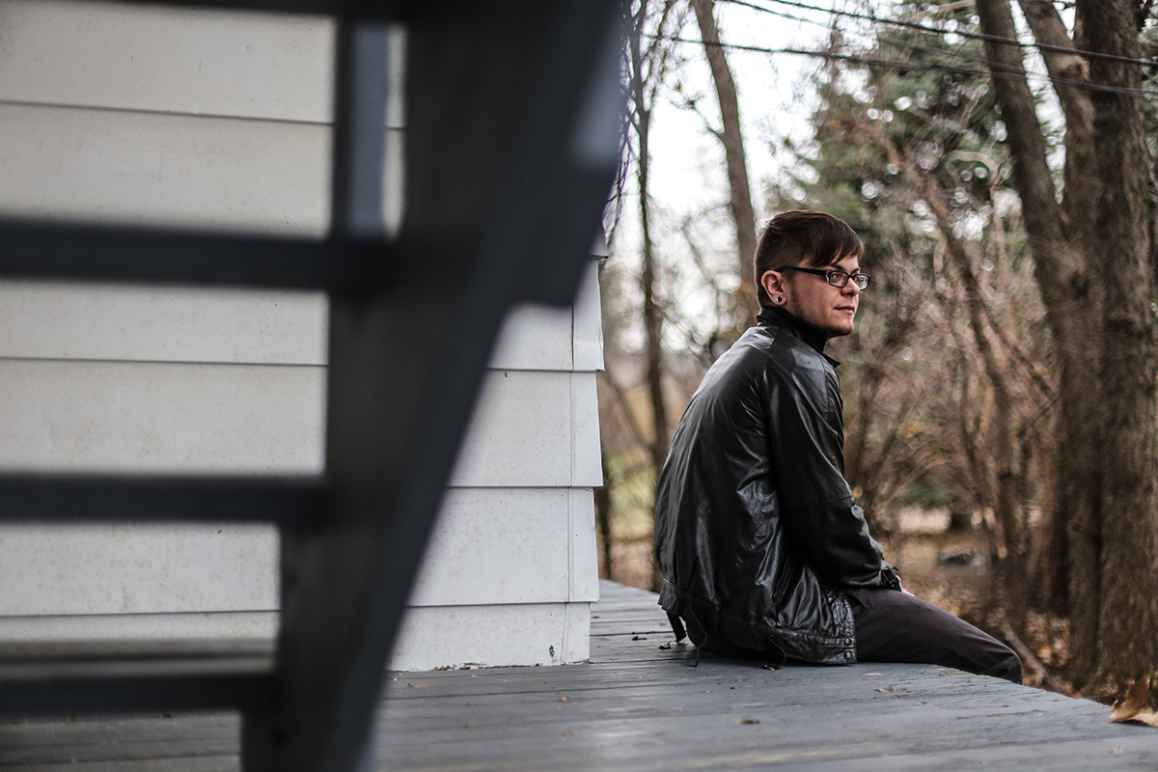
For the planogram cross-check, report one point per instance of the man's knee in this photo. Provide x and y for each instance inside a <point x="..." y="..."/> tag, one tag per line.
<point x="1012" y="668"/>
<point x="1006" y="663"/>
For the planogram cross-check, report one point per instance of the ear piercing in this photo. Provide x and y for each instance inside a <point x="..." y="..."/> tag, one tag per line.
<point x="778" y="300"/>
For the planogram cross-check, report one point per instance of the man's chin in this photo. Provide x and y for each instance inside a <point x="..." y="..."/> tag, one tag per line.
<point x="842" y="328"/>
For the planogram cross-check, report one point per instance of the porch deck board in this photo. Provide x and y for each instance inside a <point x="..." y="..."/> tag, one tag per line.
<point x="640" y="704"/>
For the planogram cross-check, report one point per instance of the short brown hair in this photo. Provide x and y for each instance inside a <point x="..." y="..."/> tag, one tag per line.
<point x="803" y="237"/>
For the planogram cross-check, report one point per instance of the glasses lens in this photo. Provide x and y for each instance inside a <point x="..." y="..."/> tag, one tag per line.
<point x="837" y="278"/>
<point x="861" y="279"/>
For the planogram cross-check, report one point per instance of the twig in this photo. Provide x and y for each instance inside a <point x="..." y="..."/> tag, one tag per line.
<point x="1041" y="672"/>
<point x="625" y="410"/>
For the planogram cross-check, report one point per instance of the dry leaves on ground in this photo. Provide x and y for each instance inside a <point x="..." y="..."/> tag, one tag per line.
<point x="1135" y="707"/>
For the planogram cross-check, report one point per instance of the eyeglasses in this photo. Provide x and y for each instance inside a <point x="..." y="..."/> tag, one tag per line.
<point x="835" y="277"/>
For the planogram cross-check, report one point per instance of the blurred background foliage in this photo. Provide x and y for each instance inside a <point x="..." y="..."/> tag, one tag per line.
<point x="970" y="440"/>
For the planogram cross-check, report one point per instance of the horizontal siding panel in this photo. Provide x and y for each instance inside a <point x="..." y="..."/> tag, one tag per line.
<point x="588" y="324"/>
<point x="534" y="338"/>
<point x="541" y="430"/>
<point x="225" y="174"/>
<point x="136" y="569"/>
<point x="511" y="546"/>
<point x="16" y="632"/>
<point x="136" y="56"/>
<point x="51" y="320"/>
<point x="489" y="546"/>
<point x="160" y="417"/>
<point x="531" y="428"/>
<point x="438" y="636"/>
<point x="584" y="569"/>
<point x="540" y="634"/>
<point x="586" y="461"/>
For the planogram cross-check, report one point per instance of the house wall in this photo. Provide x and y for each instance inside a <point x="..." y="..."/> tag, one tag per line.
<point x="221" y="120"/>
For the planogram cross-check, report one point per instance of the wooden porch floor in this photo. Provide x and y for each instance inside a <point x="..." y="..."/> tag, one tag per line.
<point x="639" y="705"/>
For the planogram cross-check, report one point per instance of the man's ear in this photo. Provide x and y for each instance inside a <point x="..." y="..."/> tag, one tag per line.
<point x="773" y="283"/>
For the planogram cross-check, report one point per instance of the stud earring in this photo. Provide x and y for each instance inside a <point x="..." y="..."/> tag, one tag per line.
<point x="778" y="300"/>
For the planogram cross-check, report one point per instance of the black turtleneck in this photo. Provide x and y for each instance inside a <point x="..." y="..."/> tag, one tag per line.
<point x="810" y="334"/>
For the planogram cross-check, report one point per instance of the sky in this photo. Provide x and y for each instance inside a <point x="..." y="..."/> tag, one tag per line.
<point x="688" y="173"/>
<point x="689" y="183"/>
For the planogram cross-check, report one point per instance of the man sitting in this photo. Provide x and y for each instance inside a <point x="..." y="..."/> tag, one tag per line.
<point x="763" y="550"/>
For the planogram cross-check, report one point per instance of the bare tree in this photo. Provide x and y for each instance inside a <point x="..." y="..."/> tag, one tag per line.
<point x="731" y="137"/>
<point x="1129" y="610"/>
<point x="1092" y="240"/>
<point x="648" y="56"/>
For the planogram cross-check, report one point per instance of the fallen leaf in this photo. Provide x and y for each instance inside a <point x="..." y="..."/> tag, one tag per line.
<point x="749" y="721"/>
<point x="1134" y="708"/>
<point x="664" y="646"/>
<point x="638" y="638"/>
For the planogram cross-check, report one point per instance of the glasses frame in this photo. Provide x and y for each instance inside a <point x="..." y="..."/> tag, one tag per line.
<point x="830" y="275"/>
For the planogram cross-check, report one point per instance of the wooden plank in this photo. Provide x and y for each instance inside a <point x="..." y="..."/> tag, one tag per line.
<point x="638" y="707"/>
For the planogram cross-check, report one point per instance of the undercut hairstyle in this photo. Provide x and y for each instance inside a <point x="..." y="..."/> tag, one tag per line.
<point x="803" y="237"/>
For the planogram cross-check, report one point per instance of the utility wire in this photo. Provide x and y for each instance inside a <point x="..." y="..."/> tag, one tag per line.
<point x="939" y="31"/>
<point x="896" y="43"/>
<point x="1006" y="73"/>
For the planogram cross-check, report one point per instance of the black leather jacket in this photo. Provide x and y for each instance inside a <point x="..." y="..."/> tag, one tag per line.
<point x="756" y="528"/>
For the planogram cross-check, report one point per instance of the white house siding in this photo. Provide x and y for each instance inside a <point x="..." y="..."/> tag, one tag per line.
<point x="220" y="120"/>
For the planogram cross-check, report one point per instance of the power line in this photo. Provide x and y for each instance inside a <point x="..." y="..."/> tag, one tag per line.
<point x="909" y="46"/>
<point x="1006" y="73"/>
<point x="939" y="31"/>
<point x="1073" y="82"/>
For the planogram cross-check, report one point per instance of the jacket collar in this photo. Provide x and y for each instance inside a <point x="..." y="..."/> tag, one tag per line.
<point x="771" y="316"/>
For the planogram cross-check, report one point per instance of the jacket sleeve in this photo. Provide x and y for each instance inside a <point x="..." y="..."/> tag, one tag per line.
<point x="822" y="516"/>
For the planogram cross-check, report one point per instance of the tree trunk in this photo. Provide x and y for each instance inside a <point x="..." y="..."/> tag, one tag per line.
<point x="740" y="195"/>
<point x="603" y="517"/>
<point x="652" y="312"/>
<point x="960" y="518"/>
<point x="1077" y="498"/>
<point x="1129" y="617"/>
<point x="1062" y="274"/>
<point x="1078" y="208"/>
<point x="652" y="318"/>
<point x="1006" y="510"/>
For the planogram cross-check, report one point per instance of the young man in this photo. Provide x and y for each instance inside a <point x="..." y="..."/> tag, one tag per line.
<point x="763" y="550"/>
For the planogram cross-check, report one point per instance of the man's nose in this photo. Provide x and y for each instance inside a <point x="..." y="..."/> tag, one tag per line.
<point x="850" y="288"/>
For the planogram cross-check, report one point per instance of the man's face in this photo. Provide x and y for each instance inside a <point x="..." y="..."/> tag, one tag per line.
<point x="810" y="298"/>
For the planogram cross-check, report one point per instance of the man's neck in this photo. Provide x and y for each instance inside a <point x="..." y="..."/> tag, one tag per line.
<point x="810" y="334"/>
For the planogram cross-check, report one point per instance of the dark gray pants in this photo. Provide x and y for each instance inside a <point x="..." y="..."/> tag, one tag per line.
<point x="894" y="627"/>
